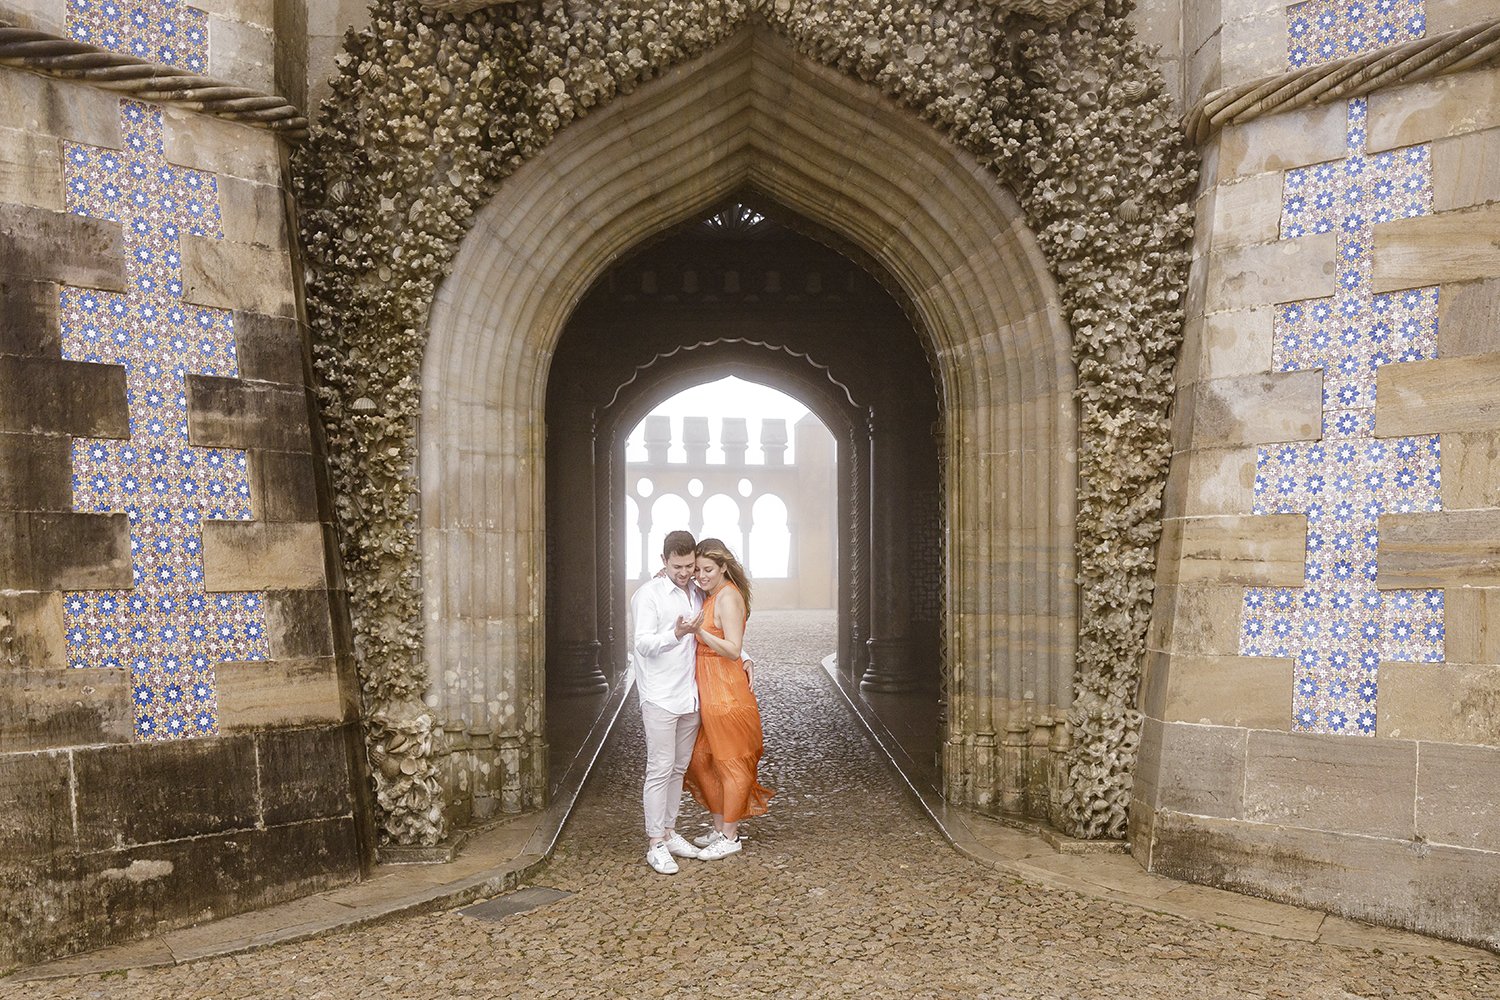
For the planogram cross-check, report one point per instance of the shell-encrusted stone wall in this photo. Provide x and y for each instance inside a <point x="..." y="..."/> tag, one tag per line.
<point x="433" y="110"/>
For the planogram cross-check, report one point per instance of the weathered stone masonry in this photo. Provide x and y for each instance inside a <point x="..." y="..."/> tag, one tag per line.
<point x="177" y="732"/>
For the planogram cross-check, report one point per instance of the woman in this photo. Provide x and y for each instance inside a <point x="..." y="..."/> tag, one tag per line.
<point x="721" y="774"/>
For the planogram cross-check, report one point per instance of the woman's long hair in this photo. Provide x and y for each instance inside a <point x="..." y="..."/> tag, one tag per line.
<point x="712" y="548"/>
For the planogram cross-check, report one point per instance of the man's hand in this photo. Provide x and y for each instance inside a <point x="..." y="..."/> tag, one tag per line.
<point x="687" y="626"/>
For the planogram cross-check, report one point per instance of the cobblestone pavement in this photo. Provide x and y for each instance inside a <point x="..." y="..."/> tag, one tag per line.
<point x="844" y="890"/>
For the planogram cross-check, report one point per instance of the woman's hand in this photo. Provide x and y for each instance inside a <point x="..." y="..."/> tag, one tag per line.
<point x="750" y="672"/>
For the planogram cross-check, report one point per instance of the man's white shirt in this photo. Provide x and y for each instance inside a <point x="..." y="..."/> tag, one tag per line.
<point x="664" y="664"/>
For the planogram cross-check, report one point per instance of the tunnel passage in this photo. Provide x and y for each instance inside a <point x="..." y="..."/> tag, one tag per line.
<point x="743" y="292"/>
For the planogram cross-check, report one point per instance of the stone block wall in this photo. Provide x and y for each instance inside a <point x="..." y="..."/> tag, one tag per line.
<point x="1323" y="685"/>
<point x="178" y="734"/>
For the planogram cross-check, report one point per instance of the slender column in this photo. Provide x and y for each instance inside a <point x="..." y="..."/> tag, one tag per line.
<point x="573" y="661"/>
<point x="890" y="649"/>
<point x="859" y="563"/>
<point x="944" y="553"/>
<point x="609" y="555"/>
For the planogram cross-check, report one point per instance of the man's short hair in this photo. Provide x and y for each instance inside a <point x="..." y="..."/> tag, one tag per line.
<point x="678" y="543"/>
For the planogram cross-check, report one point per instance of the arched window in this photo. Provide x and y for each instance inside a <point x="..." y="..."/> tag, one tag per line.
<point x="669" y="512"/>
<point x="770" y="539"/>
<point x="721" y="520"/>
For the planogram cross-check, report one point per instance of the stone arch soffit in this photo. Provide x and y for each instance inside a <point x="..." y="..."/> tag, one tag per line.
<point x="752" y="114"/>
<point x="792" y="372"/>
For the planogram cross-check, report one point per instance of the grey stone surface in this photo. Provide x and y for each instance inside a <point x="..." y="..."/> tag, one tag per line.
<point x="63" y="550"/>
<point x="235" y="413"/>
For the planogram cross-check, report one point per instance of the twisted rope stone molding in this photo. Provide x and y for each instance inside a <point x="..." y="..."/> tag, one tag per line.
<point x="1451" y="52"/>
<point x="53" y="55"/>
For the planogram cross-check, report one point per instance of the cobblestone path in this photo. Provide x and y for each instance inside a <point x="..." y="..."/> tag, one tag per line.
<point x="845" y="890"/>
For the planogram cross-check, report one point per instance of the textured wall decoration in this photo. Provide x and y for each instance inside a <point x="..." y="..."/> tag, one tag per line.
<point x="1324" y="30"/>
<point x="1338" y="627"/>
<point x="432" y="111"/>
<point x="161" y="31"/>
<point x="167" y="630"/>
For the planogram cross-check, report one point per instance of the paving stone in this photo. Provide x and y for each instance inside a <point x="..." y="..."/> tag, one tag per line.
<point x="845" y="889"/>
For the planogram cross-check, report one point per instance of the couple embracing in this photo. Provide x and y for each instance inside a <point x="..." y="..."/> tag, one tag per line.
<point x="693" y="680"/>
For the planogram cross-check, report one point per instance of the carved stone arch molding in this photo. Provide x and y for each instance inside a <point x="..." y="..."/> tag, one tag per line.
<point x="449" y="243"/>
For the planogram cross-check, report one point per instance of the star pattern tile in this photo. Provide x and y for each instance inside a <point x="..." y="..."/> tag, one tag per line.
<point x="159" y="31"/>
<point x="1338" y="627"/>
<point x="1320" y="31"/>
<point x="167" y="629"/>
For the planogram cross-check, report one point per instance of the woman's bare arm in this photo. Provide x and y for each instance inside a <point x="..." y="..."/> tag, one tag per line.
<point x="729" y="609"/>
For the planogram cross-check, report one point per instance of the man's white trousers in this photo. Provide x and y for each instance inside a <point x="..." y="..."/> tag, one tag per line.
<point x="669" y="747"/>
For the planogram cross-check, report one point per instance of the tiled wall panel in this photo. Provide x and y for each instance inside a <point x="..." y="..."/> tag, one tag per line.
<point x="194" y="709"/>
<point x="1323" y="696"/>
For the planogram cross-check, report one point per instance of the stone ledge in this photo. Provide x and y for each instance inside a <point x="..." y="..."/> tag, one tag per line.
<point x="1109" y="873"/>
<point x="1420" y="887"/>
<point x="492" y="862"/>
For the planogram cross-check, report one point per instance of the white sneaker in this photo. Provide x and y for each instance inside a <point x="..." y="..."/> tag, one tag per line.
<point x="679" y="848"/>
<point x="711" y="837"/>
<point x="721" y="848"/>
<point x="659" y="858"/>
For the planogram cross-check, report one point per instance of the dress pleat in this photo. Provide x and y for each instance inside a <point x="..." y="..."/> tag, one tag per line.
<point x="722" y="772"/>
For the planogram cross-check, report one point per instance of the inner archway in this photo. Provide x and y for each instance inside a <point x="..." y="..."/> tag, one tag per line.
<point x="753" y="116"/>
<point x="782" y="310"/>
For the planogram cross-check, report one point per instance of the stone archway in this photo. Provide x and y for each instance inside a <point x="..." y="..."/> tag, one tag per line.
<point x="751" y="114"/>
<point x="787" y="309"/>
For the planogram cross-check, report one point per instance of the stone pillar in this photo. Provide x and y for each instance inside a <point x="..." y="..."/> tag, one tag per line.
<point x="1015" y="762"/>
<point x="659" y="439"/>
<point x="889" y="667"/>
<point x="609" y="487"/>
<point x="773" y="439"/>
<point x="573" y="660"/>
<point x="694" y="441"/>
<point x="734" y="438"/>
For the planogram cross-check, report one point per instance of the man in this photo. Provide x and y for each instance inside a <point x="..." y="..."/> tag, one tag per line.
<point x="667" y="611"/>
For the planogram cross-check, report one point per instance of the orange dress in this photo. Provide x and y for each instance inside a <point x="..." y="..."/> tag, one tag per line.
<point x="721" y="774"/>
